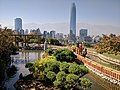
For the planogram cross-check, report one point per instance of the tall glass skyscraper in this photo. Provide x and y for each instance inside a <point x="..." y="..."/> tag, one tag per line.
<point x="18" y="24"/>
<point x="73" y="23"/>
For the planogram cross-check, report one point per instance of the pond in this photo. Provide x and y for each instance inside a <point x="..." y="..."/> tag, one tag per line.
<point x="19" y="61"/>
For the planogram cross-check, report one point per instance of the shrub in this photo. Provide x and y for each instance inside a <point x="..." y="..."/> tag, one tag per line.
<point x="83" y="70"/>
<point x="74" y="69"/>
<point x="85" y="83"/>
<point x="64" y="66"/>
<point x="71" y="78"/>
<point x="51" y="75"/>
<point x="43" y="61"/>
<point x="49" y="51"/>
<point x="38" y="67"/>
<point x="53" y="66"/>
<point x="46" y="70"/>
<point x="64" y="55"/>
<point x="39" y="75"/>
<point x="57" y="83"/>
<point x="61" y="76"/>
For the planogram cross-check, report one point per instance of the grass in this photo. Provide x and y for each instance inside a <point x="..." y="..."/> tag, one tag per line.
<point x="112" y="56"/>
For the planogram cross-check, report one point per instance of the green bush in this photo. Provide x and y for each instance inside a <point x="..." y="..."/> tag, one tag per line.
<point x="61" y="76"/>
<point x="53" y="66"/>
<point x="64" y="55"/>
<point x="85" y="83"/>
<point x="51" y="75"/>
<point x="39" y="75"/>
<point x="64" y="67"/>
<point x="83" y="70"/>
<point x="50" y="51"/>
<point x="46" y="70"/>
<point x="74" y="69"/>
<point x="38" y="67"/>
<point x="72" y="78"/>
<point x="57" y="83"/>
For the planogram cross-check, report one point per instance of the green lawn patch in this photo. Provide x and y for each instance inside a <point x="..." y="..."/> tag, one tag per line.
<point x="112" y="56"/>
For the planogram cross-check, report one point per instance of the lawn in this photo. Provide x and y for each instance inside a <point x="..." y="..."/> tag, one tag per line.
<point x="112" y="56"/>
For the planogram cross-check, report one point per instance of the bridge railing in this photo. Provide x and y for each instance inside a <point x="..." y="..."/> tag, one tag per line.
<point x="114" y="74"/>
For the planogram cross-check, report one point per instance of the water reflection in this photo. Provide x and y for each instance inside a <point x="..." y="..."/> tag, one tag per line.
<point x="19" y="61"/>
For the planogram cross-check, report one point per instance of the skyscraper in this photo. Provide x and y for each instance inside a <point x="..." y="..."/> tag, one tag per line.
<point x="18" y="24"/>
<point x="83" y="32"/>
<point x="52" y="34"/>
<point x="45" y="33"/>
<point x="73" y="22"/>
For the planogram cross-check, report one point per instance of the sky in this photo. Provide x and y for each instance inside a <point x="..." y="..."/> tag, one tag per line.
<point x="100" y="12"/>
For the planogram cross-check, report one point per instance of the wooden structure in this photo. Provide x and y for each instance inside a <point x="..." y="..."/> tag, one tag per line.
<point x="114" y="74"/>
<point x="25" y="36"/>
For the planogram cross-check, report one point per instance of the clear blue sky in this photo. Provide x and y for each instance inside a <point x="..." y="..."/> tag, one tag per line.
<point x="105" y="12"/>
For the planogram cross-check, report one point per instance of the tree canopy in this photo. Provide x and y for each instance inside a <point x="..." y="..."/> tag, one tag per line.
<point x="109" y="44"/>
<point x="6" y="49"/>
<point x="6" y="43"/>
<point x="64" y="55"/>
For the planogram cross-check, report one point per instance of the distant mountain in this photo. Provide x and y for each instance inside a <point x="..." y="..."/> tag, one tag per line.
<point x="64" y="28"/>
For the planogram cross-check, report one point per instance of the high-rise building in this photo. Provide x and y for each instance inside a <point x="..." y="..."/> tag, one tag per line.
<point x="73" y="22"/>
<point x="59" y="36"/>
<point x="83" y="32"/>
<point x="21" y="31"/>
<point x="45" y="34"/>
<point x="38" y="31"/>
<point x="48" y="35"/>
<point x="26" y="31"/>
<point x="52" y="34"/>
<point x="18" y="24"/>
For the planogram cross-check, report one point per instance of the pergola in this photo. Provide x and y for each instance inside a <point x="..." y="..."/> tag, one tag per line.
<point x="26" y="35"/>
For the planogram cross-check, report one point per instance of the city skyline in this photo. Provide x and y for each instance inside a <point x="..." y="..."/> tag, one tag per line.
<point x="40" y="12"/>
<point x="105" y="12"/>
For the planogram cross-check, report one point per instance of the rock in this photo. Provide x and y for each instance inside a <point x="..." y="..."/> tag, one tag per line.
<point x="32" y="89"/>
<point x="28" y="83"/>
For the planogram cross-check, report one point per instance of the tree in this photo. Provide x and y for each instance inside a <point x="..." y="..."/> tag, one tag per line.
<point x="53" y="41"/>
<point x="64" y="55"/>
<point x="109" y="44"/>
<point x="6" y="49"/>
<point x="88" y="44"/>
<point x="6" y="43"/>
